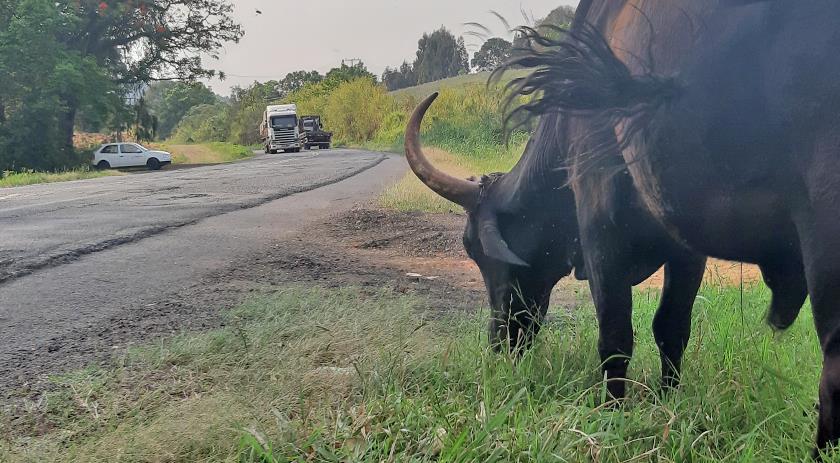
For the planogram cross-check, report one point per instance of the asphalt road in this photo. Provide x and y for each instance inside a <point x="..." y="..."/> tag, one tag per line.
<point x="82" y="263"/>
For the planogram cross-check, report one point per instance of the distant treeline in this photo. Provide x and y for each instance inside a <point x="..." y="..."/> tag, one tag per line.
<point x="441" y="55"/>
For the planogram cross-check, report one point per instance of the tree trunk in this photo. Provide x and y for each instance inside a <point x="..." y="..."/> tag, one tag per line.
<point x="2" y="113"/>
<point x="67" y="126"/>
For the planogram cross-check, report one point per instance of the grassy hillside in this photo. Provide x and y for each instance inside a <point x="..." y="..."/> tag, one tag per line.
<point x="463" y="136"/>
<point x="480" y="78"/>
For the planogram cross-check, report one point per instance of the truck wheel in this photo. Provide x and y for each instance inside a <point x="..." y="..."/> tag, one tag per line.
<point x="102" y="165"/>
<point x="153" y="164"/>
<point x="272" y="151"/>
<point x="325" y="146"/>
<point x="307" y="147"/>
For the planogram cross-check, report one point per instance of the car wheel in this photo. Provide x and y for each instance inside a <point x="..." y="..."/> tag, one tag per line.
<point x="272" y="151"/>
<point x="102" y="165"/>
<point x="153" y="164"/>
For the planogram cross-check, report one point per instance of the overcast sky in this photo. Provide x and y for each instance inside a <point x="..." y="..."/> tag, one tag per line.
<point x="291" y="35"/>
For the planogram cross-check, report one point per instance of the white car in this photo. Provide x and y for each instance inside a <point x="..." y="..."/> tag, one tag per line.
<point x="129" y="155"/>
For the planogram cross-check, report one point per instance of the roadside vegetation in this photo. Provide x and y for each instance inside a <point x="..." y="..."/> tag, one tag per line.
<point x="311" y="374"/>
<point x="207" y="153"/>
<point x="11" y="179"/>
<point x="463" y="127"/>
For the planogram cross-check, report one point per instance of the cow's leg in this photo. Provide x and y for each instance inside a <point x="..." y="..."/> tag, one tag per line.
<point x="818" y="226"/>
<point x="613" y="299"/>
<point x="786" y="279"/>
<point x="821" y="246"/>
<point x="672" y="323"/>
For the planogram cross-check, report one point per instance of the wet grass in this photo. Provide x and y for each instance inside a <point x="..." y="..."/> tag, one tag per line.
<point x="13" y="179"/>
<point x="310" y="374"/>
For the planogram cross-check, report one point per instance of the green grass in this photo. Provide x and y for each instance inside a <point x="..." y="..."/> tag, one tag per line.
<point x="463" y="135"/>
<point x="208" y="153"/>
<point x="311" y="374"/>
<point x="13" y="179"/>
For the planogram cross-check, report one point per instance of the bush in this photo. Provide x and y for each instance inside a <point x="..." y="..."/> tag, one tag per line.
<point x="355" y="110"/>
<point x="204" y="123"/>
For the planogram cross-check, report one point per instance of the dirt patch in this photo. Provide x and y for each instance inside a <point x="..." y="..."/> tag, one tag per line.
<point x="718" y="272"/>
<point x="409" y="233"/>
<point x="410" y="252"/>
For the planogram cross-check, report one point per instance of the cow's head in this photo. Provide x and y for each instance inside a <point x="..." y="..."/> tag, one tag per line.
<point x="521" y="233"/>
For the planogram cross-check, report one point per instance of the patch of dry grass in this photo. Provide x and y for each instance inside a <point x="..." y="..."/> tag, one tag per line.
<point x="207" y="153"/>
<point x="409" y="194"/>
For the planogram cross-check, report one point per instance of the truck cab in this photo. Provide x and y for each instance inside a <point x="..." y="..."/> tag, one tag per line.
<point x="279" y="129"/>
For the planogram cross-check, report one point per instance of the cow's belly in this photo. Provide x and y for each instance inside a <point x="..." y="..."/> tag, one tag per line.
<point x="707" y="215"/>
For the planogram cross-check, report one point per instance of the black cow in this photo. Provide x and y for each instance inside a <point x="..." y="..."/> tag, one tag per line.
<point x="522" y="231"/>
<point x="728" y="113"/>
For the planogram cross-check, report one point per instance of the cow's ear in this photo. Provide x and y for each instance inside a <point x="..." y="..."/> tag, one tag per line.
<point x="493" y="244"/>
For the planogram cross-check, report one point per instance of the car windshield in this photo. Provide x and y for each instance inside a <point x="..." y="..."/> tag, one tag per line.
<point x="284" y="122"/>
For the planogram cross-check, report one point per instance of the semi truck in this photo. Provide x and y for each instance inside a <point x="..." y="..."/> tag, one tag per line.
<point x="279" y="129"/>
<point x="312" y="133"/>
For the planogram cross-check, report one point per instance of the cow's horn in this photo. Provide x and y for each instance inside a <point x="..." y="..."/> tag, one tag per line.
<point x="459" y="191"/>
<point x="493" y="243"/>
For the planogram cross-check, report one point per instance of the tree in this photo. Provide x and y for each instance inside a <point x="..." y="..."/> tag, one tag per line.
<point x="204" y="123"/>
<point x="402" y="77"/>
<point x="169" y="101"/>
<point x="145" y="124"/>
<point x="143" y="41"/>
<point x="345" y="73"/>
<point x="440" y="55"/>
<point x="354" y="110"/>
<point x="294" y="81"/>
<point x="561" y="16"/>
<point x="246" y="108"/>
<point x="38" y="70"/>
<point x="492" y="54"/>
